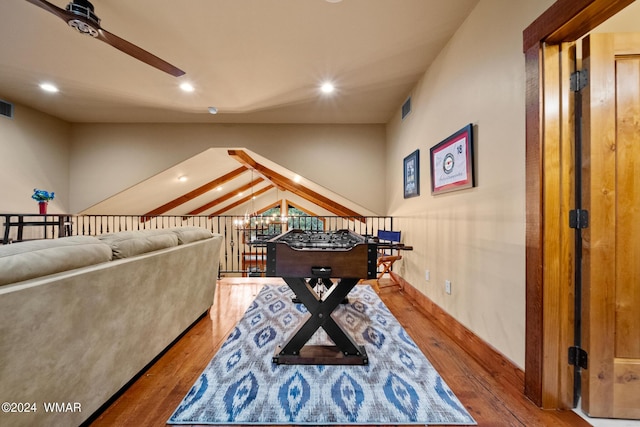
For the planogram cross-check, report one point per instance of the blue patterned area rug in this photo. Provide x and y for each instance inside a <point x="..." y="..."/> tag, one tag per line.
<point x="241" y="385"/>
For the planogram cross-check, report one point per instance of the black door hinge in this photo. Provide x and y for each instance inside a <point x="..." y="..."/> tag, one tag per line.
<point x="579" y="80"/>
<point x="579" y="218"/>
<point x="578" y="357"/>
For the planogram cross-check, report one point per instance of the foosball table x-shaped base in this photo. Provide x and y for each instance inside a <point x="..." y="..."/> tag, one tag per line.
<point x="345" y="351"/>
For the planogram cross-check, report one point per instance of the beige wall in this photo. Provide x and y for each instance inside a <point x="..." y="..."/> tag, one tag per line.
<point x="34" y="153"/>
<point x="474" y="237"/>
<point x="346" y="159"/>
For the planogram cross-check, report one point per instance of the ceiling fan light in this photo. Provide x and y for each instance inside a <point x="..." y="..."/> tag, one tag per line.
<point x="83" y="28"/>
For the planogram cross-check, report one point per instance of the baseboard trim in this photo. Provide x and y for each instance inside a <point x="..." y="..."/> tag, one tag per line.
<point x="486" y="355"/>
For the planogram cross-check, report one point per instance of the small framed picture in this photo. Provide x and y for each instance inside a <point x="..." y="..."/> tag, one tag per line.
<point x="412" y="175"/>
<point x="452" y="162"/>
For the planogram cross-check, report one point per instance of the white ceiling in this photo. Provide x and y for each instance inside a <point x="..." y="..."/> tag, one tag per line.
<point x="257" y="61"/>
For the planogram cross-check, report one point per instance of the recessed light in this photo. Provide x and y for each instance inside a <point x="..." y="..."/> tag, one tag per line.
<point x="213" y="110"/>
<point x="182" y="178"/>
<point x="297" y="178"/>
<point x="48" y="87"/>
<point x="187" y="87"/>
<point x="327" y="87"/>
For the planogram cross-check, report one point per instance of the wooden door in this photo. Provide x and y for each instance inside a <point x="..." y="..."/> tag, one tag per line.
<point x="611" y="243"/>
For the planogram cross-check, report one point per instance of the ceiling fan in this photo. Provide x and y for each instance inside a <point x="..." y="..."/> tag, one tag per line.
<point x="79" y="14"/>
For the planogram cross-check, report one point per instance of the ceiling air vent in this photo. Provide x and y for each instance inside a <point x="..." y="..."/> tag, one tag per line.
<point x="6" y="109"/>
<point x="406" y="108"/>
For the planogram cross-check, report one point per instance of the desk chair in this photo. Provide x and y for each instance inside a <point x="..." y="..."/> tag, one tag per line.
<point x="387" y="256"/>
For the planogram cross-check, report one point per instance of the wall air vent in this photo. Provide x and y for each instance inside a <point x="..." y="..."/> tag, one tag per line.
<point x="406" y="108"/>
<point x="6" y="109"/>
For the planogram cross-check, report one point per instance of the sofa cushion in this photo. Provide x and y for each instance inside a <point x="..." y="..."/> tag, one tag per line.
<point x="125" y="244"/>
<point x="36" y="258"/>
<point x="191" y="234"/>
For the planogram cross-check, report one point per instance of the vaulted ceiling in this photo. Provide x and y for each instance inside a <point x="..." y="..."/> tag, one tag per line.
<point x="243" y="181"/>
<point x="255" y="61"/>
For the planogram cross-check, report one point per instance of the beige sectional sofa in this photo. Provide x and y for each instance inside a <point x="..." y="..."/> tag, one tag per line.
<point x="81" y="316"/>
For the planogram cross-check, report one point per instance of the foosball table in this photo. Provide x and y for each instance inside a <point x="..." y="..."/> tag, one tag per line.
<point x="335" y="260"/>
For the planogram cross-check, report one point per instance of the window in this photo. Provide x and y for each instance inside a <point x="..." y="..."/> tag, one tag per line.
<point x="296" y="217"/>
<point x="303" y="220"/>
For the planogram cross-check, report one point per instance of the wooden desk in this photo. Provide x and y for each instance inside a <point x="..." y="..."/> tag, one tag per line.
<point x="53" y="225"/>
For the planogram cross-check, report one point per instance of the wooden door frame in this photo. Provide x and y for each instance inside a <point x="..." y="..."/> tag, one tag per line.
<point x="546" y="384"/>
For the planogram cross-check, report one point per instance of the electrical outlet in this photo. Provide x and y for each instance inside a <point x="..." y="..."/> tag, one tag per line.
<point x="427" y="275"/>
<point x="447" y="286"/>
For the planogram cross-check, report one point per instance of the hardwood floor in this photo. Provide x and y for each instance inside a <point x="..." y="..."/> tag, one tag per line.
<point x="490" y="398"/>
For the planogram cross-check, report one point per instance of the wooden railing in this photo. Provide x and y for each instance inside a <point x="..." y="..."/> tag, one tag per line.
<point x="242" y="252"/>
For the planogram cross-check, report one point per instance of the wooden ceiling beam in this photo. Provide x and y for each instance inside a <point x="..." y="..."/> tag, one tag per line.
<point x="225" y="197"/>
<point x="292" y="186"/>
<point x="248" y="162"/>
<point x="194" y="193"/>
<point x="241" y="201"/>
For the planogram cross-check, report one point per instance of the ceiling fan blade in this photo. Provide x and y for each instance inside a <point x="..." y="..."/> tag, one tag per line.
<point x="87" y="22"/>
<point x="138" y="53"/>
<point x="59" y="12"/>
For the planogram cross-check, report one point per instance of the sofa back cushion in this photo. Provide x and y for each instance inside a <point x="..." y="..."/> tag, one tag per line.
<point x="125" y="244"/>
<point x="191" y="234"/>
<point x="36" y="258"/>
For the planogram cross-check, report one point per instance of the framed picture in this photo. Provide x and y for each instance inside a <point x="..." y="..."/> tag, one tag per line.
<point x="412" y="175"/>
<point x="452" y="162"/>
